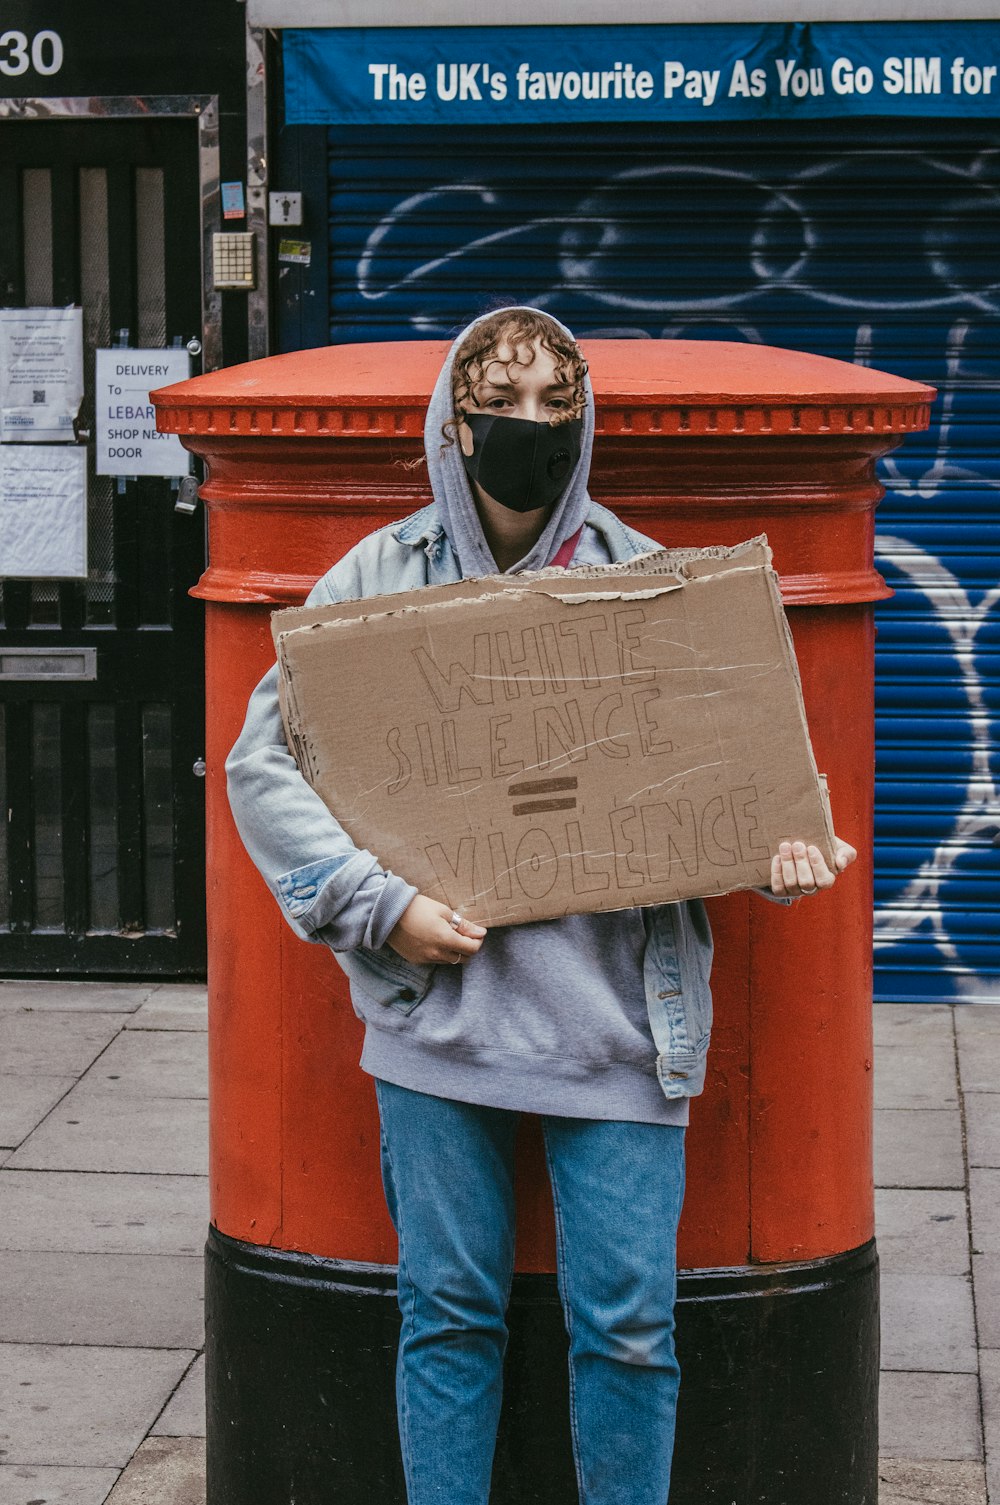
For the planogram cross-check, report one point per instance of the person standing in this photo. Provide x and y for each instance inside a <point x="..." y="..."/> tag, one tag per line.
<point x="597" y="1023"/>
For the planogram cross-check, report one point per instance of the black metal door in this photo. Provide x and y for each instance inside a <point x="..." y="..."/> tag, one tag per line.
<point x="102" y="847"/>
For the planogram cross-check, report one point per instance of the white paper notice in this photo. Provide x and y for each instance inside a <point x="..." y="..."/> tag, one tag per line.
<point x="41" y="373"/>
<point x="128" y="443"/>
<point x="43" y="512"/>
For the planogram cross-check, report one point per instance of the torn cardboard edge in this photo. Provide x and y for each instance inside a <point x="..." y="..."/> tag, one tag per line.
<point x="535" y="747"/>
<point x="677" y="563"/>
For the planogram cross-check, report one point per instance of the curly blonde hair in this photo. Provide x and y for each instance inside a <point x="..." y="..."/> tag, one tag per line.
<point x="519" y="329"/>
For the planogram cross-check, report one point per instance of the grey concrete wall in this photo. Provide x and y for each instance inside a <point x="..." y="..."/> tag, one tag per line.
<point x="599" y="13"/>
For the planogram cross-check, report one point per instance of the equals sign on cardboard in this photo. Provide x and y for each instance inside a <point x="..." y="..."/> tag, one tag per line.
<point x="552" y="791"/>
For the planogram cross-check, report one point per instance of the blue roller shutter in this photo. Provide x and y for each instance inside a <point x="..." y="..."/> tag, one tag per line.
<point x="870" y="241"/>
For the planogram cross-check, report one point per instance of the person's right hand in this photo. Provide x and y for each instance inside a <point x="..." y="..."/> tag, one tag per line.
<point x="424" y="934"/>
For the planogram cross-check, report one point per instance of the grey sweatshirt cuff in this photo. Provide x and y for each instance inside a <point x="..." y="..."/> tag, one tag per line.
<point x="394" y="897"/>
<point x="366" y="919"/>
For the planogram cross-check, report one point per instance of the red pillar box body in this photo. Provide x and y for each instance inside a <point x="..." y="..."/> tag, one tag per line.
<point x="697" y="443"/>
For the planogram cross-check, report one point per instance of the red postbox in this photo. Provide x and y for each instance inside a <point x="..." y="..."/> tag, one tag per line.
<point x="697" y="443"/>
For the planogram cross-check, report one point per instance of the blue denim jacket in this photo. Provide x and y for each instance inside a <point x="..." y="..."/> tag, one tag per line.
<point x="331" y="892"/>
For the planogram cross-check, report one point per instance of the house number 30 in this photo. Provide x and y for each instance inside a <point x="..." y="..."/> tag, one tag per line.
<point x="18" y="53"/>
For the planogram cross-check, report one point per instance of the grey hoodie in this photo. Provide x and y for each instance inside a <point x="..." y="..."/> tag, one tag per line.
<point x="453" y="495"/>
<point x="550" y="1017"/>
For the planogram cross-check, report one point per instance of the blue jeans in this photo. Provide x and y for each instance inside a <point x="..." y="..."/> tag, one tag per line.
<point x="448" y="1170"/>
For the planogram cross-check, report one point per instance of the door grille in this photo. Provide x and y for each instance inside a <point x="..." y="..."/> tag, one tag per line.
<point x="101" y="855"/>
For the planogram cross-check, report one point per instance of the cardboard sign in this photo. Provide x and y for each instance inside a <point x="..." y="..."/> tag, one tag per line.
<point x="532" y="746"/>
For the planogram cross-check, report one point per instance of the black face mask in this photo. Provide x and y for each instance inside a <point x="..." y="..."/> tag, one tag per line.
<point x="521" y="464"/>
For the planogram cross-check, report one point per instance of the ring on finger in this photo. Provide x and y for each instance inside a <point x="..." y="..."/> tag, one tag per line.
<point x="455" y="921"/>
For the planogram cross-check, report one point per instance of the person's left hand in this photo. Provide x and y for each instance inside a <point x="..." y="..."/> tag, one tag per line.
<point x="797" y="870"/>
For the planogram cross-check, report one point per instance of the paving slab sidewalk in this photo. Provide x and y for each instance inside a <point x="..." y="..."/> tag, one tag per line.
<point x="937" y="1174"/>
<point x="103" y="1211"/>
<point x="103" y="1190"/>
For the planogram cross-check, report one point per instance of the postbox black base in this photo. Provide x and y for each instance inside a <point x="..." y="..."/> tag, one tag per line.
<point x="778" y="1396"/>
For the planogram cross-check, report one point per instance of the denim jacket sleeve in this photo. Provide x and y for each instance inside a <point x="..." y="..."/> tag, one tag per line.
<point x="328" y="889"/>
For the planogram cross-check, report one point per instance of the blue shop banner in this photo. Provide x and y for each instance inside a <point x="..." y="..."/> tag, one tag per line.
<point x="540" y="74"/>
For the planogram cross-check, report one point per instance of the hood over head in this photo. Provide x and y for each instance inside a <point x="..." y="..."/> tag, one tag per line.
<point x="453" y="490"/>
